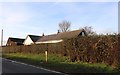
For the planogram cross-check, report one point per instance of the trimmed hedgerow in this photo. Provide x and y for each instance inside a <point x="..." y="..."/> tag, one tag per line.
<point x="92" y="49"/>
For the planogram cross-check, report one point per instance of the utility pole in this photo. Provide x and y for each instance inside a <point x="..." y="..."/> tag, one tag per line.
<point x="2" y="38"/>
<point x="1" y="44"/>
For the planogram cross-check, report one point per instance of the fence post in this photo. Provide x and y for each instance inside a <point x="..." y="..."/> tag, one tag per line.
<point x="46" y="56"/>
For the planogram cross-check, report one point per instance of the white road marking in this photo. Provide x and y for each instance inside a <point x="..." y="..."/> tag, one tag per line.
<point x="34" y="66"/>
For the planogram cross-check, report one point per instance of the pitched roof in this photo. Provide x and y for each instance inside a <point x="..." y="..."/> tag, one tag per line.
<point x="48" y="37"/>
<point x="62" y="35"/>
<point x="18" y="40"/>
<point x="69" y="34"/>
<point x="34" y="37"/>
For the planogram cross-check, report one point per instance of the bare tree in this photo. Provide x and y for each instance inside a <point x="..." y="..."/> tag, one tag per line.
<point x="64" y="26"/>
<point x="89" y="30"/>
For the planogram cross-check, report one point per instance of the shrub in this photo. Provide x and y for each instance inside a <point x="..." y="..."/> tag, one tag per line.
<point x="92" y="49"/>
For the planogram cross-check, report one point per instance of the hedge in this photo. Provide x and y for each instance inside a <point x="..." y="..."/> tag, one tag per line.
<point x="92" y="49"/>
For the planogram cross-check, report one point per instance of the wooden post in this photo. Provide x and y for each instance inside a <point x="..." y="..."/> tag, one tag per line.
<point x="46" y="56"/>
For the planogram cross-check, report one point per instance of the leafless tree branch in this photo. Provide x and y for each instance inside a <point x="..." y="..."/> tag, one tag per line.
<point x="64" y="26"/>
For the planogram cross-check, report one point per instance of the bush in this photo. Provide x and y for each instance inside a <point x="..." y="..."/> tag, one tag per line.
<point x="92" y="49"/>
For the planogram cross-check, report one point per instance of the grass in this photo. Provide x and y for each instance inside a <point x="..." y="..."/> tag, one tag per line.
<point x="58" y="63"/>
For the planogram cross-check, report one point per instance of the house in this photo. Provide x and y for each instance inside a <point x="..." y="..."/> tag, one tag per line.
<point x="59" y="37"/>
<point x="31" y="39"/>
<point x="14" y="41"/>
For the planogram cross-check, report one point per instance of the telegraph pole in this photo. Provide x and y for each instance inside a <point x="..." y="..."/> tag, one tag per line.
<point x="2" y="38"/>
<point x="1" y="44"/>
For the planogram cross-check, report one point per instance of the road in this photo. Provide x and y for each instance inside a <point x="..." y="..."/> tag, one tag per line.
<point x="9" y="66"/>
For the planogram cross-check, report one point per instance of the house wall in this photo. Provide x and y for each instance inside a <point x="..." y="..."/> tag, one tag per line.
<point x="83" y="33"/>
<point x="28" y="41"/>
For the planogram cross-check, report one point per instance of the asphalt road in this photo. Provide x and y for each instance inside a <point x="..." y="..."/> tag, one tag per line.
<point x="9" y="67"/>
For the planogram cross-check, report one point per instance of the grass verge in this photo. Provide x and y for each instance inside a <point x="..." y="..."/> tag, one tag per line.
<point x="58" y="63"/>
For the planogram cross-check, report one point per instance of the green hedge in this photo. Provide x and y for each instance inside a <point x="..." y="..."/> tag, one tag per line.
<point x="92" y="49"/>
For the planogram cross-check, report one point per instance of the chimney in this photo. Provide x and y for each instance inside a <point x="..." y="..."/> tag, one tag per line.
<point x="43" y="34"/>
<point x="58" y="31"/>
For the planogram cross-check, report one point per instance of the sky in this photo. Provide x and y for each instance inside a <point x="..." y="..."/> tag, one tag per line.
<point x="18" y="19"/>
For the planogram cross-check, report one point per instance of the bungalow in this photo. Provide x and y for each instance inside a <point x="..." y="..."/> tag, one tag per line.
<point x="31" y="39"/>
<point x="14" y="41"/>
<point x="59" y="37"/>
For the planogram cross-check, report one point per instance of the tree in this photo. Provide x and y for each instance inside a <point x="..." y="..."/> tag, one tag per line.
<point x="89" y="30"/>
<point x="64" y="26"/>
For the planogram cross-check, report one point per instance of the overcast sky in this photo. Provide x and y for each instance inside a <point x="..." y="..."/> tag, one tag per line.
<point x="21" y="18"/>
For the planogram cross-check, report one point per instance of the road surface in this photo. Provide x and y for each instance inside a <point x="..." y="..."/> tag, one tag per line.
<point x="9" y="66"/>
